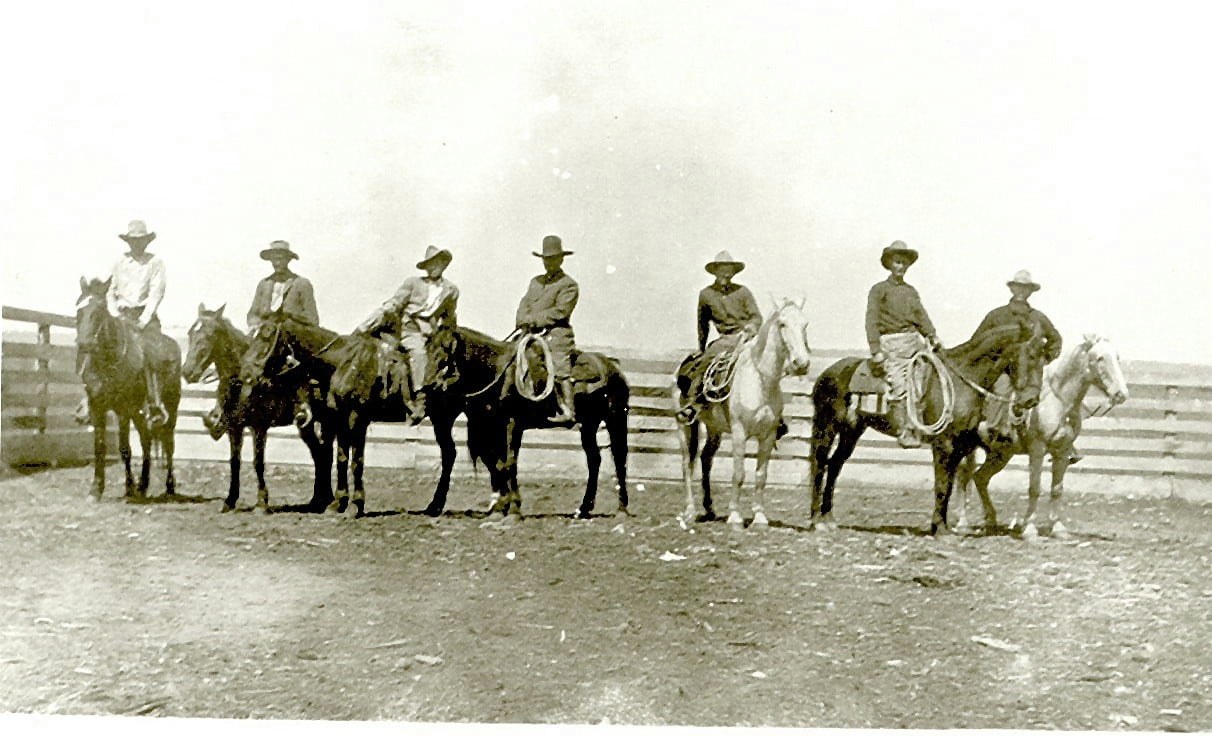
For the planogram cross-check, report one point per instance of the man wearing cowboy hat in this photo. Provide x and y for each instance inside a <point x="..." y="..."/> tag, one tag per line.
<point x="898" y="328"/>
<point x="734" y="312"/>
<point x="997" y="424"/>
<point x="421" y="306"/>
<point x="283" y="289"/>
<point x="547" y="308"/>
<point x="136" y="289"/>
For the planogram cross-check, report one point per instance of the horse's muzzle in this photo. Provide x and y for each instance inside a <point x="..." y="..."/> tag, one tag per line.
<point x="800" y="368"/>
<point x="1118" y="398"/>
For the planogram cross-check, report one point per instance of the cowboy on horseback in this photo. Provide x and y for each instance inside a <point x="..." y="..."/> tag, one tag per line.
<point x="283" y="290"/>
<point x="898" y="329"/>
<point x="419" y="308"/>
<point x="997" y="425"/>
<point x="734" y="312"/>
<point x="546" y="309"/>
<point x="136" y="289"/>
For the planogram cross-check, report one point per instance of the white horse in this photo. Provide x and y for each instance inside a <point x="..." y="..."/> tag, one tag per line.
<point x="753" y="408"/>
<point x="1051" y="429"/>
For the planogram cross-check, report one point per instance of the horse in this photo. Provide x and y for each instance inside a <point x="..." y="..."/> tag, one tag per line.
<point x="954" y="398"/>
<point x="359" y="393"/>
<point x="214" y="340"/>
<point x="512" y="402"/>
<point x="1049" y="431"/>
<point x="752" y="408"/>
<point x="114" y="380"/>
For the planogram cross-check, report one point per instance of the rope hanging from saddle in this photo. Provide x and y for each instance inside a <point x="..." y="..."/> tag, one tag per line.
<point x="521" y="375"/>
<point x="914" y="394"/>
<point x="717" y="378"/>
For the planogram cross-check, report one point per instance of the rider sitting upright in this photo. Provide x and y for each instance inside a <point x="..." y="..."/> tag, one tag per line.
<point x="136" y="289"/>
<point x="421" y="306"/>
<point x="547" y="309"/>
<point x="734" y="312"/>
<point x="898" y="328"/>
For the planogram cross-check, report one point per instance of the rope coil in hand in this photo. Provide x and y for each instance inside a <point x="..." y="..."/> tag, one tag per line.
<point x="521" y="374"/>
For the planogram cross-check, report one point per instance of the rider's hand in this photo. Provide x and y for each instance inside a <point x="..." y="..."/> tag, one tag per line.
<point x="878" y="357"/>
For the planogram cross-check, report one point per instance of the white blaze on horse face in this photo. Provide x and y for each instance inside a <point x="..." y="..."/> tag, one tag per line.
<point x="1105" y="361"/>
<point x="793" y="328"/>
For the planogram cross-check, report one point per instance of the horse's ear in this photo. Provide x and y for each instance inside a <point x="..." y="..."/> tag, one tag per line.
<point x="800" y="303"/>
<point x="201" y="308"/>
<point x="1089" y="339"/>
<point x="219" y="311"/>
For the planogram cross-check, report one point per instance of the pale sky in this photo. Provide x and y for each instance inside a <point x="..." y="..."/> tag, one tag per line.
<point x="1072" y="140"/>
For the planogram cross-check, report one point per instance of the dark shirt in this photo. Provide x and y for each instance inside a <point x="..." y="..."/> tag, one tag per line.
<point x="729" y="308"/>
<point x="549" y="301"/>
<point x="894" y="307"/>
<point x="1018" y="311"/>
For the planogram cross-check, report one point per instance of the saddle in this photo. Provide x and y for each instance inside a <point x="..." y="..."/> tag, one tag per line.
<point x="590" y="371"/>
<point x="867" y="392"/>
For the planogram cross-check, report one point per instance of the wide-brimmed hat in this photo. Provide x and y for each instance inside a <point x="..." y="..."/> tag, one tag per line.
<point x="137" y="230"/>
<point x="552" y="246"/>
<point x="1023" y="278"/>
<point x="724" y="258"/>
<point x="898" y="248"/>
<point x="433" y="253"/>
<point x="278" y="248"/>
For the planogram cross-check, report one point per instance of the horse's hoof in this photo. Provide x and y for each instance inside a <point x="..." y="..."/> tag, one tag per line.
<point x="760" y="521"/>
<point x="94" y="496"/>
<point x="227" y="507"/>
<point x="261" y="510"/>
<point x="622" y="513"/>
<point x="1030" y="533"/>
<point x="584" y="513"/>
<point x="1059" y="531"/>
<point x="359" y="509"/>
<point x="736" y="521"/>
<point x="342" y="505"/>
<point x="706" y="516"/>
<point x="433" y="511"/>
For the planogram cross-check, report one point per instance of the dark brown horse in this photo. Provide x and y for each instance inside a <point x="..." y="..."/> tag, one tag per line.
<point x="971" y="369"/>
<point x="107" y="359"/>
<point x="213" y="340"/>
<point x="360" y="393"/>
<point x="501" y="408"/>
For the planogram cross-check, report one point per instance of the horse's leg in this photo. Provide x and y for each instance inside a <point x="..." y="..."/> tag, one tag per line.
<point x="995" y="462"/>
<point x="765" y="448"/>
<point x="168" y="444"/>
<point x="1035" y="467"/>
<point x="343" y="439"/>
<point x="739" y="440"/>
<point x="711" y="445"/>
<point x="945" y="463"/>
<point x="818" y="461"/>
<point x="124" y="452"/>
<point x="97" y="418"/>
<point x="442" y="424"/>
<point x="593" y="463"/>
<point x="357" y="462"/>
<point x="616" y="429"/>
<point x="235" y="441"/>
<point x="1060" y="463"/>
<point x="688" y="438"/>
<point x="847" y="440"/>
<point x="514" y="505"/>
<point x="145" y="430"/>
<point x="260" y="435"/>
<point x="321" y="458"/>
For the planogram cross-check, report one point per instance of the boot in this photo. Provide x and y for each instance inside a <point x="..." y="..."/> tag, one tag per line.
<point x="782" y="430"/>
<point x="416" y="406"/>
<point x="1074" y="455"/>
<point x="564" y="400"/>
<point x="214" y="422"/>
<point x="905" y="436"/>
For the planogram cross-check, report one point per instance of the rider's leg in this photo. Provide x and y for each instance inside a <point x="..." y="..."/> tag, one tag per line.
<point x="418" y="364"/>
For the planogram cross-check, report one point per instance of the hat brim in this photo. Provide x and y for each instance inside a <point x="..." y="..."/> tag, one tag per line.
<point x="713" y="268"/>
<point x="268" y="253"/>
<point x="1033" y="286"/>
<point x="551" y="255"/>
<point x="143" y="238"/>
<point x="887" y="256"/>
<point x="442" y="255"/>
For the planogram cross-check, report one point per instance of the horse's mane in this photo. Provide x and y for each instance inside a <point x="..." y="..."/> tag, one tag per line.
<point x="358" y="367"/>
<point x="984" y="342"/>
<point x="475" y="338"/>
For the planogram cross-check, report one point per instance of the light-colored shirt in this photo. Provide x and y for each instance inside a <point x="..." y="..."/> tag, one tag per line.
<point x="136" y="282"/>
<point x="420" y="304"/>
<point x="548" y="302"/>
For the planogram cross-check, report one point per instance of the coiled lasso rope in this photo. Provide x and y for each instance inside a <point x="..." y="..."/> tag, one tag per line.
<point x="717" y="379"/>
<point x="521" y="373"/>
<point x="912" y="398"/>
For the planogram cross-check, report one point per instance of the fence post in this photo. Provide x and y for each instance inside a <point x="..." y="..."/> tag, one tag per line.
<point x="44" y="368"/>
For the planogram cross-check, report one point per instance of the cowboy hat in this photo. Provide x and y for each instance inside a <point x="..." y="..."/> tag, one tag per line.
<point x="137" y="230"/>
<point x="1023" y="278"/>
<point x="278" y="247"/>
<point x="898" y="248"/>
<point x="724" y="258"/>
<point x="552" y="246"/>
<point x="433" y="253"/>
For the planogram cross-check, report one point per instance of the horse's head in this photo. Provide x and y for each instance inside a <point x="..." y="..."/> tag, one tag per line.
<point x="792" y="327"/>
<point x="1103" y="368"/>
<point x="93" y="321"/>
<point x="204" y="338"/>
<point x="1025" y="365"/>
<point x="267" y="353"/>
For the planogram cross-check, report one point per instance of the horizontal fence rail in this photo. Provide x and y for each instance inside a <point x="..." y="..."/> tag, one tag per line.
<point x="1159" y="442"/>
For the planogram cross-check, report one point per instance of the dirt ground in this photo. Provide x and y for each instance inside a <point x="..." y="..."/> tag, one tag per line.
<point x="173" y="609"/>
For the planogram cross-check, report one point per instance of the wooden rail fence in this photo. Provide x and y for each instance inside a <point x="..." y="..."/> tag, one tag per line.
<point x="1159" y="443"/>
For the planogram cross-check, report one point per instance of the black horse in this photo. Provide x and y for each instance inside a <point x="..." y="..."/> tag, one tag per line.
<point x="972" y="369"/>
<point x="503" y="408"/>
<point x="214" y="340"/>
<point x="362" y="389"/>
<point x="114" y="380"/>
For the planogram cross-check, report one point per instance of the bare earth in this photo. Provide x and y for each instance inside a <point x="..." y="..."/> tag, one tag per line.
<point x="172" y="609"/>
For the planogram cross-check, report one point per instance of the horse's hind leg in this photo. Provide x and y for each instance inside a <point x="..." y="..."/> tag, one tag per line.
<point x="711" y="445"/>
<point x="765" y="448"/>
<point x="1035" y="467"/>
<point x="145" y="445"/>
<point x="442" y="424"/>
<point x="616" y="429"/>
<point x="168" y="444"/>
<point x="124" y="452"/>
<point x="341" y="502"/>
<point x="1056" y="496"/>
<point x="593" y="463"/>
<point x="357" y="462"/>
<point x="995" y="461"/>
<point x="99" y="450"/>
<point x="739" y="440"/>
<point x="847" y="440"/>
